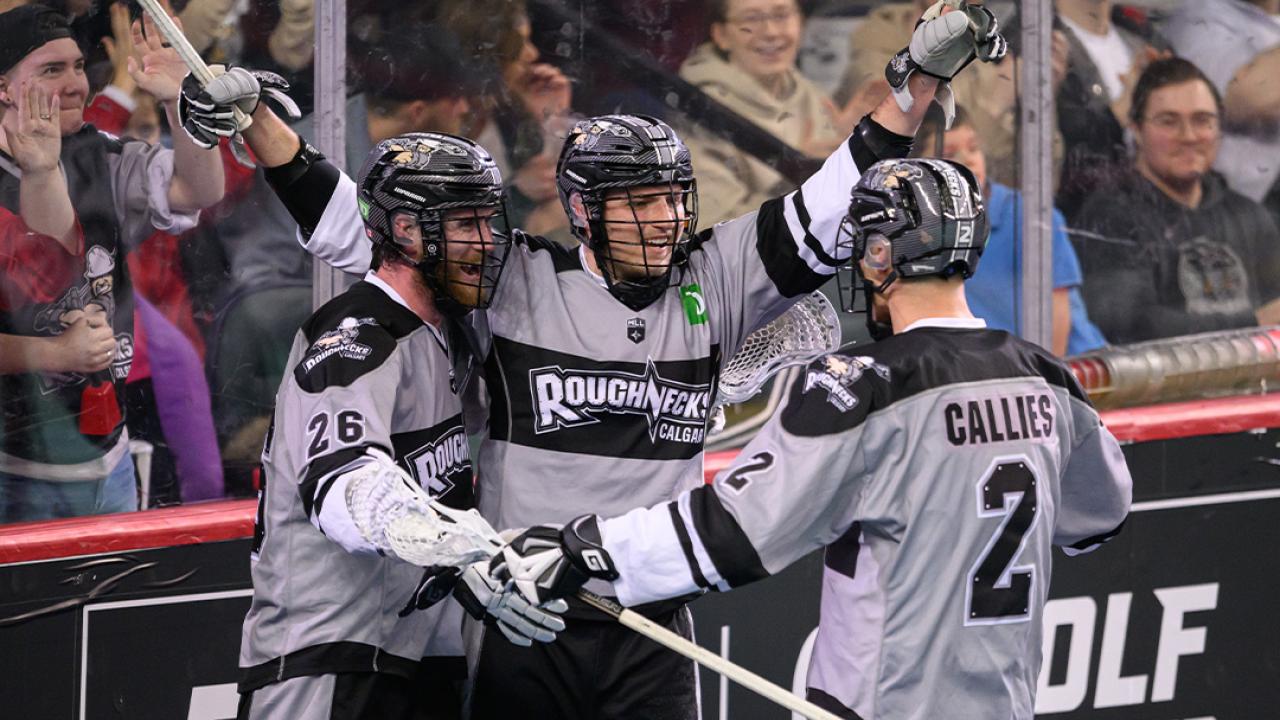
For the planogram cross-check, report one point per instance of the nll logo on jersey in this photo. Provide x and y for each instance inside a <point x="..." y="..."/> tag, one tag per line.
<point x="439" y="464"/>
<point x="568" y="398"/>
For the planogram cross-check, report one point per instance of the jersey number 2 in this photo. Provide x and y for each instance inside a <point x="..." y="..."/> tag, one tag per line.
<point x="997" y="591"/>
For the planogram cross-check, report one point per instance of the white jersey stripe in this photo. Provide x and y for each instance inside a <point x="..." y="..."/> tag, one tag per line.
<point x="826" y="195"/>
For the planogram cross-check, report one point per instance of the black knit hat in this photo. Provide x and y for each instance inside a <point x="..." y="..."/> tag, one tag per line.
<point x="26" y="28"/>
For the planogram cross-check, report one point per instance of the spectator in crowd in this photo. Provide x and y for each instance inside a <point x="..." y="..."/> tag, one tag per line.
<point x="989" y="91"/>
<point x="523" y="111"/>
<point x="40" y="245"/>
<point x="1237" y="45"/>
<point x="749" y="65"/>
<point x="64" y="451"/>
<point x="994" y="292"/>
<point x="1173" y="250"/>
<point x="1108" y="48"/>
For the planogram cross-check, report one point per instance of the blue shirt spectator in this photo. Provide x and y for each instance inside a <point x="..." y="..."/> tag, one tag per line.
<point x="994" y="293"/>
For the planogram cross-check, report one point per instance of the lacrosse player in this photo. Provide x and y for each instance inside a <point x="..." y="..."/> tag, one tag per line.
<point x="600" y="364"/>
<point x="937" y="470"/>
<point x="367" y="474"/>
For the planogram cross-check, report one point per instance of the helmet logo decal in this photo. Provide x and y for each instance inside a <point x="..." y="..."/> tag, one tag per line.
<point x="407" y="153"/>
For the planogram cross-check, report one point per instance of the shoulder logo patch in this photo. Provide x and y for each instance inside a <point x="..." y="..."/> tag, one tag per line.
<point x="339" y="341"/>
<point x="837" y="373"/>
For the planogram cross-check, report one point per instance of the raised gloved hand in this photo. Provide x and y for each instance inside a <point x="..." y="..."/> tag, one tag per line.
<point x="207" y="112"/>
<point x="545" y="562"/>
<point x="941" y="46"/>
<point x="485" y="599"/>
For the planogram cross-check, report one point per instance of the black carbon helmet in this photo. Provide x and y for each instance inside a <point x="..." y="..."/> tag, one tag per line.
<point x="622" y="152"/>
<point x="428" y="175"/>
<point x="930" y="211"/>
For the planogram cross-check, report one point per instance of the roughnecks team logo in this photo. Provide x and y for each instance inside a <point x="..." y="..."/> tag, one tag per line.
<point x="437" y="464"/>
<point x="569" y="398"/>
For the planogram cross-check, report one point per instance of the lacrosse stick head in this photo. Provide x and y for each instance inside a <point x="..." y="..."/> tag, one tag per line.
<point x="809" y="329"/>
<point x="395" y="514"/>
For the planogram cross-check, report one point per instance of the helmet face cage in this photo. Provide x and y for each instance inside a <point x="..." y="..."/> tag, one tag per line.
<point x="453" y="189"/>
<point x="635" y="181"/>
<point x="644" y="232"/>
<point x="464" y="252"/>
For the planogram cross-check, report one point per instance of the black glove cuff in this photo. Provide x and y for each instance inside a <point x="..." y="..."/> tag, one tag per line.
<point x="471" y="604"/>
<point x="585" y="549"/>
<point x="871" y="142"/>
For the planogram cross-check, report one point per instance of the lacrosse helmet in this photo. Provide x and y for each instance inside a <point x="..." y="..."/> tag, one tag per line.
<point x="636" y="159"/>
<point x="929" y="211"/>
<point x="454" y="190"/>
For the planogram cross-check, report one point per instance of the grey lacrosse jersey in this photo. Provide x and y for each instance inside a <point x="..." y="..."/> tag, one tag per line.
<point x="938" y="469"/>
<point x="594" y="406"/>
<point x="364" y="372"/>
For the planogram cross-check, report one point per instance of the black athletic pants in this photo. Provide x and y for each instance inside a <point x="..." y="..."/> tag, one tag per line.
<point x="354" y="696"/>
<point x="595" y="670"/>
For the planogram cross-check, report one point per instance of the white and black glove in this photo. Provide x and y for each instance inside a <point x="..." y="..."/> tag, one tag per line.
<point x="941" y="46"/>
<point x="487" y="600"/>
<point x="545" y="562"/>
<point x="207" y="112"/>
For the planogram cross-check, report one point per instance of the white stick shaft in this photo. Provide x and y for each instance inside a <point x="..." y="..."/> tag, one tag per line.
<point x="172" y="35"/>
<point x="706" y="658"/>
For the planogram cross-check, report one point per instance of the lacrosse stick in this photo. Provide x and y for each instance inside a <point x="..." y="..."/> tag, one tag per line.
<point x="394" y="514"/>
<point x="807" y="330"/>
<point x="705" y="658"/>
<point x="196" y="64"/>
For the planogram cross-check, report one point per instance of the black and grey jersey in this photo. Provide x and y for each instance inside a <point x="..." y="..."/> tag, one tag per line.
<point x="937" y="470"/>
<point x="597" y="407"/>
<point x="364" y="372"/>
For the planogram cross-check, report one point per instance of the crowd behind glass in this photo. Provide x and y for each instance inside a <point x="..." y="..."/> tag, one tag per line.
<point x="1166" y="152"/>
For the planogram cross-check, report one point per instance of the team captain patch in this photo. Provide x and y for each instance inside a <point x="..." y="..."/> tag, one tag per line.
<point x="837" y="373"/>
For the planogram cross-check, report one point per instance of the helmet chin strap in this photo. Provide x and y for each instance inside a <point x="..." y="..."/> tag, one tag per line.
<point x="878" y="330"/>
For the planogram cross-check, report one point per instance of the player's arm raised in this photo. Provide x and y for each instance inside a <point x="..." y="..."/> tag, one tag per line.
<point x="319" y="196"/>
<point x="795" y="239"/>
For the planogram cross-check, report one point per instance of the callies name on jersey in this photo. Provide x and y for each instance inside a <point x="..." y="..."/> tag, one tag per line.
<point x="675" y="411"/>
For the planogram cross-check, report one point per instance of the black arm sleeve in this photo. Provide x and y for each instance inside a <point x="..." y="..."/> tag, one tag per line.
<point x="871" y="142"/>
<point x="304" y="185"/>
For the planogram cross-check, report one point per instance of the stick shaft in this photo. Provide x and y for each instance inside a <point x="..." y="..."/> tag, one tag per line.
<point x="706" y="658"/>
<point x="173" y="35"/>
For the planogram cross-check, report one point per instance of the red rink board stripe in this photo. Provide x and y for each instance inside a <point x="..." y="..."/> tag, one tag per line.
<point x="98" y="534"/>
<point x="233" y="519"/>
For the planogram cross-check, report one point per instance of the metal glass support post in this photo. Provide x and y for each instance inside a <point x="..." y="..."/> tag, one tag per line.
<point x="1036" y="160"/>
<point x="330" y="117"/>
